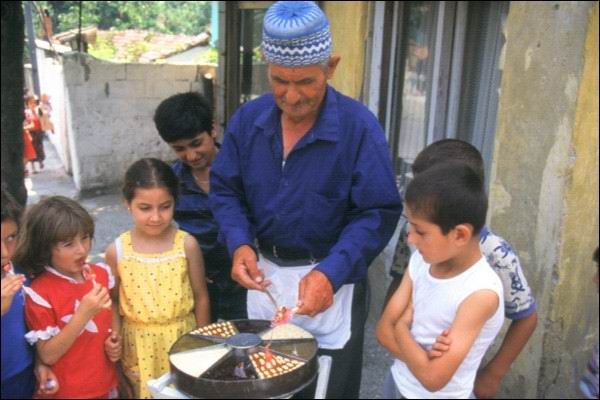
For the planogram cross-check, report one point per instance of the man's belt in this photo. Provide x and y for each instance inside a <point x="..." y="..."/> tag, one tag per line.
<point x="288" y="257"/>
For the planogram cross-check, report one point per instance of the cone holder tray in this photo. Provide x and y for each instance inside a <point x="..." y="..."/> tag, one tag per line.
<point x="229" y="359"/>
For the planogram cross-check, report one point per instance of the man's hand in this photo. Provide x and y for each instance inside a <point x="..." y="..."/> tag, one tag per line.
<point x="245" y="271"/>
<point x="113" y="346"/>
<point x="11" y="284"/>
<point x="486" y="384"/>
<point x="315" y="294"/>
<point x="441" y="345"/>
<point x="48" y="383"/>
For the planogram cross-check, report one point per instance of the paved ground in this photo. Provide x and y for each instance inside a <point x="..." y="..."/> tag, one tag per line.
<point x="111" y="218"/>
<point x="108" y="211"/>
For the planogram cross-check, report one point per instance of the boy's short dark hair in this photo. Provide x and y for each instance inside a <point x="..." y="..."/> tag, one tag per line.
<point x="596" y="255"/>
<point x="448" y="194"/>
<point x="449" y="150"/>
<point x="183" y="116"/>
<point x="11" y="209"/>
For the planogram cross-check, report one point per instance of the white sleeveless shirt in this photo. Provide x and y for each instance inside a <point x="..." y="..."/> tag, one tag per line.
<point x="435" y="303"/>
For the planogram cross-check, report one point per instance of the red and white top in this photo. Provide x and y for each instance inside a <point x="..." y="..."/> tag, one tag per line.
<point x="84" y="370"/>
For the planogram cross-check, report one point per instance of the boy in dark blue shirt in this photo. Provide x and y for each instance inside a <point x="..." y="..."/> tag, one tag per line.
<point x="18" y="380"/>
<point x="185" y="122"/>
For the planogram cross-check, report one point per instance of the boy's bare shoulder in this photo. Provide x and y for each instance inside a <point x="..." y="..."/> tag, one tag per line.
<point x="480" y="305"/>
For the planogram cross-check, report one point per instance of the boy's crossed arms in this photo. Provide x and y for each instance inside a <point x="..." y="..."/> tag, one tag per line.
<point x="434" y="368"/>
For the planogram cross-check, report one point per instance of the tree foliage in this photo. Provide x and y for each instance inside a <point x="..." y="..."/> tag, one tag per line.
<point x="189" y="17"/>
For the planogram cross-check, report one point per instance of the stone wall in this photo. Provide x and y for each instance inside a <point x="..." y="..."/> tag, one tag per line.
<point x="348" y="21"/>
<point x="52" y="82"/>
<point x="108" y="114"/>
<point x="544" y="191"/>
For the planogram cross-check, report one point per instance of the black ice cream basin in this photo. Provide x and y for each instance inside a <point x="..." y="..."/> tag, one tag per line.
<point x="228" y="360"/>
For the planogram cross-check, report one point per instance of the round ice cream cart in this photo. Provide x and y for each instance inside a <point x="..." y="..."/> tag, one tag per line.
<point x="243" y="359"/>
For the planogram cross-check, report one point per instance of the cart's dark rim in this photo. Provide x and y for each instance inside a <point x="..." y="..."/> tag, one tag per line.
<point x="220" y="380"/>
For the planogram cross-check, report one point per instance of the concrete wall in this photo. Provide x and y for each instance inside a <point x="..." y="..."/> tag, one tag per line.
<point x="109" y="109"/>
<point x="348" y="21"/>
<point x="544" y="192"/>
<point x="52" y="82"/>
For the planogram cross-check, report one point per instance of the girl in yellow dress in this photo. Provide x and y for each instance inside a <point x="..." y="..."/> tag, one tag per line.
<point x="160" y="287"/>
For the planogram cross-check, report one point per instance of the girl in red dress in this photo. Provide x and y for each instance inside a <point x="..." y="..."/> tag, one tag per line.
<point x="34" y="126"/>
<point x="68" y="308"/>
<point x="29" y="154"/>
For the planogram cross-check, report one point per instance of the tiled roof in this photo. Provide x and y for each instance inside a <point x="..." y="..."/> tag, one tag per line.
<point x="143" y="46"/>
<point x="152" y="46"/>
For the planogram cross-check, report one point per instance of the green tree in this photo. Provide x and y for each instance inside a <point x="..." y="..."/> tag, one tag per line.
<point x="189" y="17"/>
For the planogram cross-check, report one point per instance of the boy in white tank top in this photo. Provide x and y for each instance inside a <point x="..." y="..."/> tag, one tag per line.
<point x="449" y="306"/>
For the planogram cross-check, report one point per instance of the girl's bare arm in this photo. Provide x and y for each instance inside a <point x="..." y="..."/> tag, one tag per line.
<point x="197" y="279"/>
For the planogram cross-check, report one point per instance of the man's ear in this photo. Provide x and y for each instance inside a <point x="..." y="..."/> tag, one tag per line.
<point x="463" y="233"/>
<point x="332" y="65"/>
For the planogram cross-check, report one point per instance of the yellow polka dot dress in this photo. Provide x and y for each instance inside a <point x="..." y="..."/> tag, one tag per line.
<point x="156" y="304"/>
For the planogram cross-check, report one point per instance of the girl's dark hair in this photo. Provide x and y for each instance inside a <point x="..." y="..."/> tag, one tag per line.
<point x="448" y="194"/>
<point x="596" y="255"/>
<point x="11" y="210"/>
<point x="52" y="220"/>
<point x="149" y="173"/>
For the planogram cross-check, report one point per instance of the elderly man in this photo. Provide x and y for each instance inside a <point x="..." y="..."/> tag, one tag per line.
<point x="304" y="193"/>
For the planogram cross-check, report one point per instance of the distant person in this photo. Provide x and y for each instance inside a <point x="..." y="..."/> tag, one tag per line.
<point x="519" y="302"/>
<point x="46" y="113"/>
<point x="185" y="122"/>
<point x="68" y="307"/>
<point x="449" y="289"/>
<point x="160" y="287"/>
<point x="589" y="381"/>
<point x="48" y="31"/>
<point x="34" y="126"/>
<point x="18" y="380"/>
<point x="29" y="155"/>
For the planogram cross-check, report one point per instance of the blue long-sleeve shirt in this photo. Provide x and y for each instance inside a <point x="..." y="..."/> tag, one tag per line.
<point x="334" y="196"/>
<point x="193" y="215"/>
